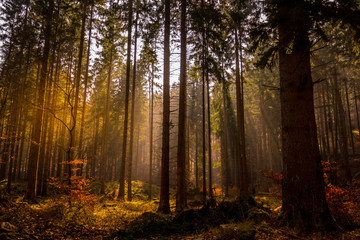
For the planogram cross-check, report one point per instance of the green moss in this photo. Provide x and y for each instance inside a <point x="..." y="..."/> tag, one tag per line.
<point x="258" y="215"/>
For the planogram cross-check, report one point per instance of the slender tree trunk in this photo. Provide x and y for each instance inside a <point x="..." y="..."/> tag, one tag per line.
<point x="225" y="140"/>
<point x="325" y="120"/>
<point x="151" y="96"/>
<point x="344" y="165"/>
<point x="356" y="107"/>
<point x="240" y="117"/>
<point x="82" y="124"/>
<point x="181" y="151"/>
<point x="121" y="195"/>
<point x="132" y="120"/>
<point x="95" y="152"/>
<point x="12" y="138"/>
<point x="164" y="205"/>
<point x="349" y="117"/>
<point x="105" y="138"/>
<point x="196" y="160"/>
<point x="22" y="144"/>
<point x="35" y="147"/>
<point x="203" y="137"/>
<point x="209" y="135"/>
<point x="79" y="70"/>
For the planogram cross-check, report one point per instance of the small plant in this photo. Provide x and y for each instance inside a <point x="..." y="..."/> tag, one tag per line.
<point x="344" y="202"/>
<point x="276" y="179"/>
<point x="75" y="196"/>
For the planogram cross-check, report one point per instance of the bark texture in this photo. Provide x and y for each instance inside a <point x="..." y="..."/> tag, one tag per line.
<point x="304" y="203"/>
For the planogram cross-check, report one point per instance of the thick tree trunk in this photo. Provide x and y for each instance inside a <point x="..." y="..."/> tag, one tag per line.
<point x="164" y="205"/>
<point x="304" y="204"/>
<point x="181" y="151"/>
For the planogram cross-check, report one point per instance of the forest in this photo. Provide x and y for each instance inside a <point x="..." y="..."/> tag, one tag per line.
<point x="190" y="119"/>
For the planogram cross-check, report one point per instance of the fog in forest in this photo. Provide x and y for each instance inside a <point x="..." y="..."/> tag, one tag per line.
<point x="115" y="114"/>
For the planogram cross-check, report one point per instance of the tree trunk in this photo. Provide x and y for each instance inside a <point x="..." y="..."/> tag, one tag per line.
<point x="121" y="195"/>
<point x="356" y="107"/>
<point x="132" y="121"/>
<point x="225" y="139"/>
<point x="349" y="117"/>
<point x="79" y="70"/>
<point x="209" y="135"/>
<point x="164" y="205"/>
<point x="104" y="147"/>
<point x="151" y="116"/>
<point x="240" y="117"/>
<point x="181" y="151"/>
<point x="304" y="204"/>
<point x="35" y="143"/>
<point x="81" y="151"/>
<point x="196" y="159"/>
<point x="344" y="164"/>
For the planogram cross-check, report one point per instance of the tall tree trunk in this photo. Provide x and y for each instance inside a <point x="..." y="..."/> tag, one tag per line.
<point x="95" y="150"/>
<point x="151" y="117"/>
<point x="121" y="195"/>
<point x="356" y="107"/>
<point x="35" y="147"/>
<point x="349" y="117"/>
<point x="181" y="151"/>
<point x="12" y="137"/>
<point x="132" y="120"/>
<point x="240" y="116"/>
<point x="79" y="69"/>
<point x="203" y="137"/>
<point x="304" y="203"/>
<point x="104" y="147"/>
<point x="82" y="124"/>
<point x="225" y="138"/>
<point x="344" y="164"/>
<point x="209" y="135"/>
<point x="164" y="205"/>
<point x="325" y="120"/>
<point x="196" y="159"/>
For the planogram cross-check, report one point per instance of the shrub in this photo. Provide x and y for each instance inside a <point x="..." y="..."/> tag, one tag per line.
<point x="343" y="202"/>
<point x="77" y="194"/>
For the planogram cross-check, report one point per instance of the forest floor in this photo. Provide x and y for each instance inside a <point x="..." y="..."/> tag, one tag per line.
<point x="93" y="217"/>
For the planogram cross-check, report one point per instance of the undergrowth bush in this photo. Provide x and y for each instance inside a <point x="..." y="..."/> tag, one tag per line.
<point x="343" y="202"/>
<point x="75" y="199"/>
<point x="151" y="225"/>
